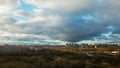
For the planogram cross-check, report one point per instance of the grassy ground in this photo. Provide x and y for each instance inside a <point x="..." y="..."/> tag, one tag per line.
<point x="57" y="59"/>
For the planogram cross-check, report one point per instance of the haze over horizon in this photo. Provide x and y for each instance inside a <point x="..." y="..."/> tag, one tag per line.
<point x="59" y="21"/>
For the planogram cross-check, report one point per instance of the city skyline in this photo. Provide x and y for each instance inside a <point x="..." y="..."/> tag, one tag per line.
<point x="59" y="22"/>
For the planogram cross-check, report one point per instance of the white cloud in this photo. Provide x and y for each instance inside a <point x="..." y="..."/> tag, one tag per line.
<point x="7" y="5"/>
<point x="6" y="20"/>
<point x="23" y="14"/>
<point x="80" y="20"/>
<point x="62" y="5"/>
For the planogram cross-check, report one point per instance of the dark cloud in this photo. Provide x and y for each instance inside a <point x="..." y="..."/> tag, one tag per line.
<point x="69" y="22"/>
<point x="73" y="28"/>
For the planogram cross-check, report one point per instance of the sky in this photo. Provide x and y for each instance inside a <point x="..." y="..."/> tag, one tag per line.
<point x="59" y="21"/>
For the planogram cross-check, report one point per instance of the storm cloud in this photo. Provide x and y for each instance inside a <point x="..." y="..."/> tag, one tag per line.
<point x="61" y="21"/>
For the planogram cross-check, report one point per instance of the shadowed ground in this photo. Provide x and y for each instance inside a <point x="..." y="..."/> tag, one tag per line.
<point x="47" y="58"/>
